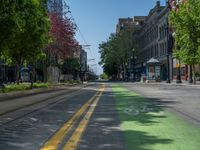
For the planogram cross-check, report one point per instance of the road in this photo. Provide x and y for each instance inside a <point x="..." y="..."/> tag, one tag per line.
<point x="84" y="118"/>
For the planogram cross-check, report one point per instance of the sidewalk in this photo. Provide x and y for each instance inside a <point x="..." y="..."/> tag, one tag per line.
<point x="185" y="83"/>
<point x="173" y="83"/>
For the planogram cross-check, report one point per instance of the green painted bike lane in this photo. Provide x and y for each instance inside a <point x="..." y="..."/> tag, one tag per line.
<point x="147" y="125"/>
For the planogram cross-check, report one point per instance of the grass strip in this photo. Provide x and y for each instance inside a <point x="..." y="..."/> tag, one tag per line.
<point x="22" y="87"/>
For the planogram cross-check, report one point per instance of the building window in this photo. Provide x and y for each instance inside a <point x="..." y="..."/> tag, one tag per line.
<point x="165" y="27"/>
<point x="162" y="32"/>
<point x="159" y="32"/>
<point x="160" y="49"/>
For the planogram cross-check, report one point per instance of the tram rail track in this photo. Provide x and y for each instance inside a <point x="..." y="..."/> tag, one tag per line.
<point x="55" y="99"/>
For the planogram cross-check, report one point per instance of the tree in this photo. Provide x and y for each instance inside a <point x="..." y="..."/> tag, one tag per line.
<point x="29" y="33"/>
<point x="62" y="32"/>
<point x="71" y="66"/>
<point x="104" y="76"/>
<point x="186" y="22"/>
<point x="7" y="23"/>
<point x="116" y="52"/>
<point x="39" y="37"/>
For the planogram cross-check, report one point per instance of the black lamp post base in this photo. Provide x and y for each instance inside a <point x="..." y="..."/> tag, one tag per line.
<point x="178" y="81"/>
<point x="190" y="81"/>
<point x="1" y="85"/>
<point x="168" y="81"/>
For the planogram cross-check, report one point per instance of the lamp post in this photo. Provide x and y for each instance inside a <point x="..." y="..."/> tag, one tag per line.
<point x="169" y="47"/>
<point x="178" y="69"/>
<point x="190" y="75"/>
<point x="178" y="75"/>
<point x="132" y="68"/>
<point x="133" y="64"/>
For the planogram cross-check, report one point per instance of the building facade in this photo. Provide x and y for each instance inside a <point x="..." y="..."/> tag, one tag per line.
<point x="153" y="42"/>
<point x="126" y="23"/>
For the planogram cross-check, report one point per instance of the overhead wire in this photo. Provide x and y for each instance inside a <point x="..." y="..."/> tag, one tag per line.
<point x="81" y="34"/>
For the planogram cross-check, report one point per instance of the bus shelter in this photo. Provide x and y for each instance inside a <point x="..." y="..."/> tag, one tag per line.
<point x="153" y="69"/>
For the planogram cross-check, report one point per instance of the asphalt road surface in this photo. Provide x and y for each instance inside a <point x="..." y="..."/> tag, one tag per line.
<point x="83" y="119"/>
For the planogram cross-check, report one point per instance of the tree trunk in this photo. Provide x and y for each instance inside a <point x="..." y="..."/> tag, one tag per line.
<point x="17" y="73"/>
<point x="118" y="73"/>
<point x="125" y="74"/>
<point x="33" y="75"/>
<point x="45" y="70"/>
<point x="193" y="74"/>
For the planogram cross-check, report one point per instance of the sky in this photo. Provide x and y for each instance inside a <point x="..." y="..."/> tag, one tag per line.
<point x="97" y="19"/>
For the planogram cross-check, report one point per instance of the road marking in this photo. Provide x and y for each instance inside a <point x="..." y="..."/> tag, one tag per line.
<point x="76" y="136"/>
<point x="57" y="138"/>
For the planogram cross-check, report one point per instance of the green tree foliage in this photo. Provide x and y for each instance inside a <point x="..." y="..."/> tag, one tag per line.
<point x="104" y="76"/>
<point x="116" y="51"/>
<point x="186" y="21"/>
<point x="6" y="23"/>
<point x="26" y="26"/>
<point x="71" y="65"/>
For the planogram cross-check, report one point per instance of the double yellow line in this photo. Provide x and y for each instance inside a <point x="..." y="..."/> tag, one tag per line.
<point x="71" y="144"/>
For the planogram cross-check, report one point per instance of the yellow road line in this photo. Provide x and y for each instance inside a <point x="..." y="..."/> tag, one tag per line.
<point x="75" y="138"/>
<point x="57" y="138"/>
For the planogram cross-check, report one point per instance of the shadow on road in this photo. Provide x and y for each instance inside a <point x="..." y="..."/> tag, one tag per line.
<point x="142" y="140"/>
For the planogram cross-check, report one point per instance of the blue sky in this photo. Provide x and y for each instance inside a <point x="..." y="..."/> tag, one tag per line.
<point x="96" y="19"/>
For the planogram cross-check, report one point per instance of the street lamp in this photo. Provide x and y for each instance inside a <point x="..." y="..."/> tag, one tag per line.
<point x="178" y="75"/>
<point x="190" y="75"/>
<point x="133" y="58"/>
<point x="170" y="42"/>
<point x="178" y="69"/>
<point x="169" y="47"/>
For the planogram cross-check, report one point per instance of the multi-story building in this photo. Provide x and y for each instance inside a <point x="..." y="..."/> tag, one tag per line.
<point x="124" y="23"/>
<point x="153" y="42"/>
<point x="127" y="23"/>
